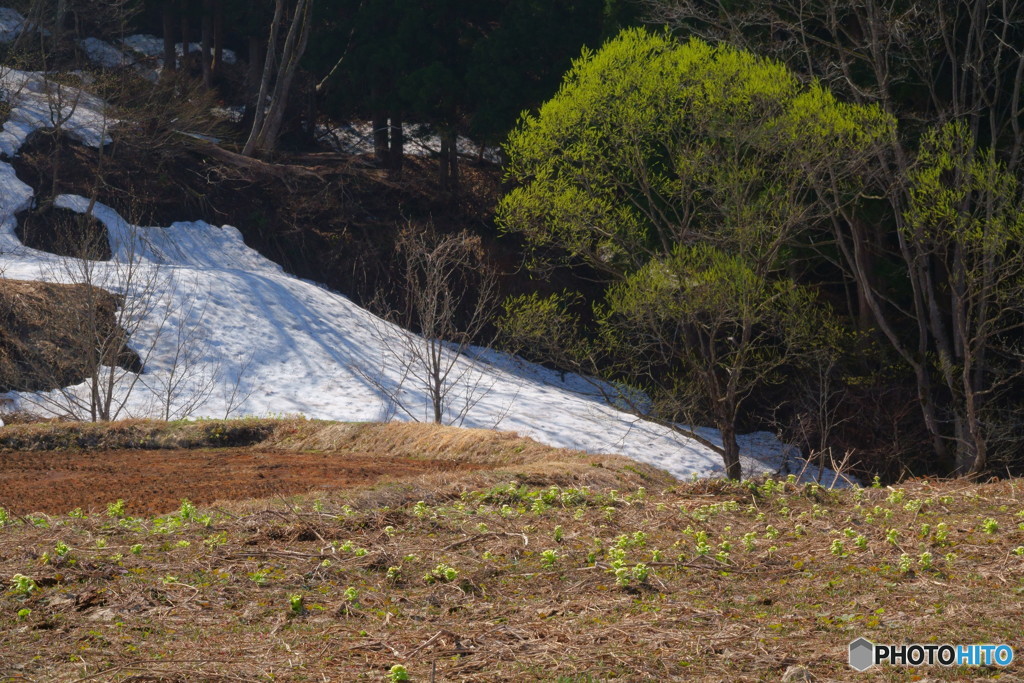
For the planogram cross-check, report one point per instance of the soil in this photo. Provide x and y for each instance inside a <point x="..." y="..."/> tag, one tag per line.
<point x="45" y="333"/>
<point x="155" y="481"/>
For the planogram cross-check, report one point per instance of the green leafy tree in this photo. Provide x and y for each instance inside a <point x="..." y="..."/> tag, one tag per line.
<point x="964" y="230"/>
<point x="962" y="61"/>
<point x="683" y="174"/>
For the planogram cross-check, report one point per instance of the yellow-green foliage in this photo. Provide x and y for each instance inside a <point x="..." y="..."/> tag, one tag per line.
<point x="650" y="141"/>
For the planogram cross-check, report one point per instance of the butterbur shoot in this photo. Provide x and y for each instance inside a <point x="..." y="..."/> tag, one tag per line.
<point x="442" y="572"/>
<point x="23" y="584"/>
<point x="925" y="560"/>
<point x="187" y="509"/>
<point x="398" y="673"/>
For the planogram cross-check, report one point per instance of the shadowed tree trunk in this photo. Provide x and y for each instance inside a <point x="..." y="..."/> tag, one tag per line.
<point x="267" y="124"/>
<point x="185" y="56"/>
<point x="380" y="139"/>
<point x="218" y="37"/>
<point x="206" y="43"/>
<point x="252" y="76"/>
<point x="397" y="150"/>
<point x="170" y="57"/>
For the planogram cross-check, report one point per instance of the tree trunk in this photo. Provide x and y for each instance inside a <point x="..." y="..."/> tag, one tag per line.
<point x="731" y="452"/>
<point x="453" y="163"/>
<point x="218" y="37"/>
<point x="264" y="137"/>
<point x="30" y="28"/>
<point x="259" y="106"/>
<point x="448" y="161"/>
<point x="185" y="35"/>
<point x="206" y="43"/>
<point x="58" y="20"/>
<point x="397" y="152"/>
<point x="170" y="56"/>
<point x="443" y="159"/>
<point x="380" y="139"/>
<point x="252" y="74"/>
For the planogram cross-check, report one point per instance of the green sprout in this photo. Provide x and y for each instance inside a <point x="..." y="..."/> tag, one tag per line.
<point x="398" y="673"/>
<point x="23" y="584"/>
<point x="187" y="509"/>
<point x="442" y="572"/>
<point x="925" y="560"/>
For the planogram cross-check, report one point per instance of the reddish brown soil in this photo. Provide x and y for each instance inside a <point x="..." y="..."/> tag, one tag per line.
<point x="155" y="481"/>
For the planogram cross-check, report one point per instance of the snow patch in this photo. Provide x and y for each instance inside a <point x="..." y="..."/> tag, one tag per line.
<point x="356" y="137"/>
<point x="153" y="46"/>
<point x="102" y="53"/>
<point x="11" y="24"/>
<point x="38" y="103"/>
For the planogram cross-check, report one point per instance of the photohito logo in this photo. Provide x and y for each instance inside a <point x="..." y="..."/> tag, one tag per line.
<point x="864" y="654"/>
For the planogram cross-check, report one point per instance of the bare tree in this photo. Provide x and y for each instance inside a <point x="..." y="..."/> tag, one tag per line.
<point x="448" y="293"/>
<point x="272" y="100"/>
<point x="182" y="381"/>
<point x="101" y="335"/>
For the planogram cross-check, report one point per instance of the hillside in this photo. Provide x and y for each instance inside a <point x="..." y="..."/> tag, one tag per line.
<point x="221" y="330"/>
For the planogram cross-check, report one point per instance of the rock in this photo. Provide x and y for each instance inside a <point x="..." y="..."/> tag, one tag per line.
<point x="110" y="615"/>
<point x="794" y="674"/>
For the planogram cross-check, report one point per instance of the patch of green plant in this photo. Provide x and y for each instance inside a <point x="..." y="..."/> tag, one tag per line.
<point x="441" y="573"/>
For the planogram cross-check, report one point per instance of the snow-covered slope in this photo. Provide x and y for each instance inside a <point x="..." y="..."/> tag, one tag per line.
<point x="259" y="341"/>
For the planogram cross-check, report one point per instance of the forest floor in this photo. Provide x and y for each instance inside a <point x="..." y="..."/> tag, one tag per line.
<point x="509" y="561"/>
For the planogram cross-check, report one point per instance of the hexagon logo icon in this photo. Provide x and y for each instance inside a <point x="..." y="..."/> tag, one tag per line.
<point x="862" y="654"/>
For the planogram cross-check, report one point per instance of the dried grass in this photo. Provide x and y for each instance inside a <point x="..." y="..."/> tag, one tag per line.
<point x="213" y="602"/>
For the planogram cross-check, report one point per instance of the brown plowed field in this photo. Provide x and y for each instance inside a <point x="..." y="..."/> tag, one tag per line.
<point x="155" y="481"/>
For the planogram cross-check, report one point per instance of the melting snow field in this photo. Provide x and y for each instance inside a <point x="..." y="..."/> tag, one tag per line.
<point x="258" y="341"/>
